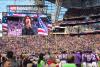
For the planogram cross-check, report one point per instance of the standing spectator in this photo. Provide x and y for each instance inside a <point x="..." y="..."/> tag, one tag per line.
<point x="63" y="58"/>
<point x="89" y="59"/>
<point x="78" y="59"/>
<point x="84" y="59"/>
<point x="94" y="60"/>
<point x="41" y="61"/>
<point x="13" y="61"/>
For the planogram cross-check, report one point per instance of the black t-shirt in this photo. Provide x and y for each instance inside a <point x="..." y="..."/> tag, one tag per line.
<point x="27" y="31"/>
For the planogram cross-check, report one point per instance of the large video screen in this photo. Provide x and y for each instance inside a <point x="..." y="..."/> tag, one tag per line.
<point x="26" y="24"/>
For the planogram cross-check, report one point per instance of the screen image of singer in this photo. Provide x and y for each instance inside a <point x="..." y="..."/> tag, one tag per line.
<point x="20" y="25"/>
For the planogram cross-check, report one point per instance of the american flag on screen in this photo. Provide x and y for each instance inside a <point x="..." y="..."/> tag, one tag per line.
<point x="49" y="24"/>
<point x="4" y="26"/>
<point x="42" y="28"/>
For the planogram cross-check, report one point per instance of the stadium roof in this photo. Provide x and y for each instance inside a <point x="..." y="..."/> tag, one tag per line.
<point x="78" y="3"/>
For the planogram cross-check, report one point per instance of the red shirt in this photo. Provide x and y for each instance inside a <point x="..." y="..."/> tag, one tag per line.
<point x="50" y="61"/>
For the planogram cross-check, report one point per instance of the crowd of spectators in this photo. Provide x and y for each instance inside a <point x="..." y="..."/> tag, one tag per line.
<point x="53" y="43"/>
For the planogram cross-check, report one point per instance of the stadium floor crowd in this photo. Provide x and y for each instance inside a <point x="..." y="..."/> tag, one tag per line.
<point x="55" y="44"/>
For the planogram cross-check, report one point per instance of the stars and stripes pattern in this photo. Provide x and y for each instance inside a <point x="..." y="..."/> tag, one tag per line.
<point x="4" y="26"/>
<point x="42" y="28"/>
<point x="49" y="24"/>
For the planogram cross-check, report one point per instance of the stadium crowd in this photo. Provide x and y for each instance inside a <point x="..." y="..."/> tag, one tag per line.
<point x="54" y="43"/>
<point x="48" y="59"/>
<point x="30" y="46"/>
